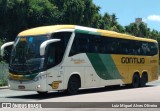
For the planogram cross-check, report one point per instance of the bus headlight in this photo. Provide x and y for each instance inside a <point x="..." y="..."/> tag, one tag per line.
<point x="38" y="86"/>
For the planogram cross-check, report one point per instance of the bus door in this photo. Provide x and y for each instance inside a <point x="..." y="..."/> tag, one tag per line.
<point x="54" y="69"/>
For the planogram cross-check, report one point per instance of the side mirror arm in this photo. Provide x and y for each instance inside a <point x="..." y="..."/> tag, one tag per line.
<point x="45" y="44"/>
<point x="4" y="46"/>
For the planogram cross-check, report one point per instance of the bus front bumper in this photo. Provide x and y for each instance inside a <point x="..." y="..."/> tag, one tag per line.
<point x="37" y="84"/>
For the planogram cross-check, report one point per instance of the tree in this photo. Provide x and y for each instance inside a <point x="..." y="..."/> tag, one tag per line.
<point x="143" y="30"/>
<point x="154" y="34"/>
<point x="80" y="12"/>
<point x="42" y="12"/>
<point x="18" y="15"/>
<point x="114" y="20"/>
<point x="132" y="29"/>
<point x="97" y="21"/>
<point x="107" y="21"/>
<point x="120" y="28"/>
<point x="73" y="10"/>
<point x="90" y="12"/>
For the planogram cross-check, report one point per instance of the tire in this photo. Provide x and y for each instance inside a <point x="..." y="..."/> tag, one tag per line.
<point x="143" y="80"/>
<point x="135" y="81"/>
<point x="73" y="85"/>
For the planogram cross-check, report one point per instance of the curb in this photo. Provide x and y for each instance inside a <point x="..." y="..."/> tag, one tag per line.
<point x="4" y="87"/>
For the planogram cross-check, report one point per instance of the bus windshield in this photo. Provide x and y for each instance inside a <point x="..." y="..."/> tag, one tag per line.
<point x="25" y="56"/>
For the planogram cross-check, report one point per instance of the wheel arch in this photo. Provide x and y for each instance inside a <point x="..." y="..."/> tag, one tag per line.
<point x="77" y="75"/>
<point x="136" y="72"/>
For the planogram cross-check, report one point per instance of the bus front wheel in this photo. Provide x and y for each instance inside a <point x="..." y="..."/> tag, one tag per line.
<point x="135" y="81"/>
<point x="73" y="85"/>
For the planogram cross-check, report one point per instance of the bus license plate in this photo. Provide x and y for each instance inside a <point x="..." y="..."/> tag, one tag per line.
<point x="21" y="87"/>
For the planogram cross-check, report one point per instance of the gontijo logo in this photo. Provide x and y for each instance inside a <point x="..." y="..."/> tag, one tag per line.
<point x="132" y="60"/>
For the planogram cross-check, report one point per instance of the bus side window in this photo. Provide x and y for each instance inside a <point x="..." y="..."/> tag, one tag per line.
<point x="153" y="49"/>
<point x="102" y="47"/>
<point x="92" y="45"/>
<point x="83" y="44"/>
<point x="80" y="44"/>
<point x="75" y="48"/>
<point x="51" y="55"/>
<point x="136" y="47"/>
<point x="124" y="46"/>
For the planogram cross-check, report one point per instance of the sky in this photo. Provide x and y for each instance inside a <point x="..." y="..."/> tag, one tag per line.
<point x="127" y="10"/>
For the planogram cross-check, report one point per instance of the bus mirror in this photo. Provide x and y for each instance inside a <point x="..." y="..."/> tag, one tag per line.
<point x="4" y="46"/>
<point x="45" y="44"/>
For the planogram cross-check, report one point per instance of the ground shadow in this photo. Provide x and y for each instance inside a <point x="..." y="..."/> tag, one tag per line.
<point x="82" y="91"/>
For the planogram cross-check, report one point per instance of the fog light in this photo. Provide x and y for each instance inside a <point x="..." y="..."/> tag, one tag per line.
<point x="38" y="86"/>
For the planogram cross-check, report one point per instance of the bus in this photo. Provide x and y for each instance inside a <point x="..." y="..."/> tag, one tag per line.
<point x="70" y="57"/>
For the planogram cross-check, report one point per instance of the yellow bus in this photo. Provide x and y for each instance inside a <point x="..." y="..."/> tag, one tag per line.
<point x="70" y="57"/>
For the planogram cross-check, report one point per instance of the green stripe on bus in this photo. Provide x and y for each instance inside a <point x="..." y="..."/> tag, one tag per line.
<point x="110" y="66"/>
<point x="86" y="32"/>
<point x="104" y="66"/>
<point x="31" y="76"/>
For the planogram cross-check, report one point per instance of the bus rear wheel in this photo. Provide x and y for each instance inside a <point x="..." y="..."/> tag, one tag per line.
<point x="143" y="80"/>
<point x="135" y="81"/>
<point x="73" y="85"/>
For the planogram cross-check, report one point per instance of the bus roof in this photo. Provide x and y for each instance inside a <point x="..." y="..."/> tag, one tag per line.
<point x="50" y="29"/>
<point x="44" y="30"/>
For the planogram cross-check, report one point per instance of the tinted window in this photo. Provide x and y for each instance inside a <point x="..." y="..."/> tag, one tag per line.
<point x="80" y="44"/>
<point x="86" y="43"/>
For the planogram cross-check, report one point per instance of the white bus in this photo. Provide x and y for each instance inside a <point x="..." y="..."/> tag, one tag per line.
<point x="69" y="57"/>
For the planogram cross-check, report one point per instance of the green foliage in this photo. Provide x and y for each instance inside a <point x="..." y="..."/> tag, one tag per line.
<point x="79" y="12"/>
<point x="140" y="30"/>
<point x="42" y="12"/>
<point x="73" y="10"/>
<point x="3" y="74"/>
<point x="1" y="42"/>
<point x="18" y="15"/>
<point x="3" y="82"/>
<point x="106" y="21"/>
<point x="90" y="13"/>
